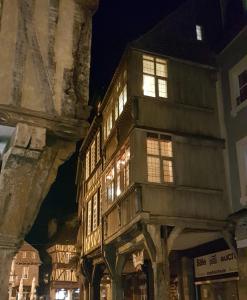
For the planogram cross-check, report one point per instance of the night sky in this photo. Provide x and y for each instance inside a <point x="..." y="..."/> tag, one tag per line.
<point x="114" y="25"/>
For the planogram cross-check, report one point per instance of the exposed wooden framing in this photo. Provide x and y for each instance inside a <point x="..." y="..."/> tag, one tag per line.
<point x="70" y="129"/>
<point x="176" y="231"/>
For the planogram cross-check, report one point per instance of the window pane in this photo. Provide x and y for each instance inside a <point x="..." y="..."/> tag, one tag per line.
<point x="98" y="147"/>
<point x="162" y="85"/>
<point x="89" y="217"/>
<point x="242" y="78"/>
<point x="148" y="85"/>
<point x="95" y="212"/>
<point x="87" y="165"/>
<point x="116" y="110"/>
<point x="125" y="94"/>
<point x="148" y="57"/>
<point x="152" y="147"/>
<point x="148" y="67"/>
<point x="166" y="148"/>
<point x="110" y="185"/>
<point x="92" y="156"/>
<point x="167" y="170"/>
<point x="199" y="32"/>
<point x="121" y="103"/>
<point x="153" y="169"/>
<point x="161" y="69"/>
<point x="119" y="190"/>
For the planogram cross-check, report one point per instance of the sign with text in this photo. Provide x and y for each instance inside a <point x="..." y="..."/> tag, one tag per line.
<point x="218" y="263"/>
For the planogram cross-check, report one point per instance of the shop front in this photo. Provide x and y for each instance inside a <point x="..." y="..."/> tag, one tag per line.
<point x="216" y="276"/>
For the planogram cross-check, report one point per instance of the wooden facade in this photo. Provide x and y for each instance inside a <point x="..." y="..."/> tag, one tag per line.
<point x="25" y="267"/>
<point x="151" y="172"/>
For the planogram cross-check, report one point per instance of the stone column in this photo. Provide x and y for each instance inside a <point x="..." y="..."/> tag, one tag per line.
<point x="29" y="168"/>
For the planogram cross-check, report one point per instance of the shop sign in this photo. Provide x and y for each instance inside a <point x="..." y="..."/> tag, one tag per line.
<point x="218" y="263"/>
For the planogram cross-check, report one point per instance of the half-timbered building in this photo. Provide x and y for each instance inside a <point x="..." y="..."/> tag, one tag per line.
<point x="151" y="173"/>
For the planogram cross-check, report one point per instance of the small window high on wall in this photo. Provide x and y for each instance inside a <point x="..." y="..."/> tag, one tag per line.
<point x="154" y="77"/>
<point x="199" y="36"/>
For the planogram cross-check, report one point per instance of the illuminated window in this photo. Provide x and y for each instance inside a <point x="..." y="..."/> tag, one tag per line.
<point x="154" y="77"/>
<point x="122" y="100"/>
<point x="117" y="179"/>
<point x="33" y="255"/>
<point x="110" y="185"/>
<point x="199" y="32"/>
<point x="116" y="113"/>
<point x="87" y="164"/>
<point x="98" y="147"/>
<point x="122" y="167"/>
<point x="25" y="271"/>
<point x="89" y="217"/>
<point x="93" y="156"/>
<point x="159" y="159"/>
<point x="108" y="125"/>
<point x="24" y="254"/>
<point x="95" y="211"/>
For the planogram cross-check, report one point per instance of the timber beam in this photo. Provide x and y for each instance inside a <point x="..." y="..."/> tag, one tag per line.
<point x="66" y="128"/>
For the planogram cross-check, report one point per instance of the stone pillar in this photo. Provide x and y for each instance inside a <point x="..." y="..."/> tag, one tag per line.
<point x="29" y="168"/>
<point x="242" y="283"/>
<point x="187" y="278"/>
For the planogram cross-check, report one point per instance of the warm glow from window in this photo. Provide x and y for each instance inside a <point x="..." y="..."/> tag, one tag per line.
<point x="148" y="85"/>
<point x="95" y="211"/>
<point x="199" y="32"/>
<point x="153" y="169"/>
<point x="93" y="156"/>
<point x="159" y="160"/>
<point x="89" y="217"/>
<point x="154" y="77"/>
<point x="87" y="164"/>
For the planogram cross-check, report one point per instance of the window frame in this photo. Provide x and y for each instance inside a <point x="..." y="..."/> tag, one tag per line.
<point x="159" y="138"/>
<point x="199" y="32"/>
<point x="157" y="78"/>
<point x="93" y="220"/>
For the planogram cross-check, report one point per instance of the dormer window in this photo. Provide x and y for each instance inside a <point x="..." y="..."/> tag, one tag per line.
<point x="199" y="36"/>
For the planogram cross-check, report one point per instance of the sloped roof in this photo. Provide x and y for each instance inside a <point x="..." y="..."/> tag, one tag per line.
<point x="66" y="233"/>
<point x="175" y="36"/>
<point x="26" y="247"/>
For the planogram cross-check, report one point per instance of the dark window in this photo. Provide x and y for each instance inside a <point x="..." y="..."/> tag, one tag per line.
<point x="242" y="80"/>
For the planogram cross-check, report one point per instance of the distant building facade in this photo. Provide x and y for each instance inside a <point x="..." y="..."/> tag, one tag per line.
<point x="153" y="203"/>
<point x="232" y="91"/>
<point x="64" y="283"/>
<point x="25" y="268"/>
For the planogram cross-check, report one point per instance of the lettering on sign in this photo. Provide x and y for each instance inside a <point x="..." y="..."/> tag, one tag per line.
<point x="218" y="263"/>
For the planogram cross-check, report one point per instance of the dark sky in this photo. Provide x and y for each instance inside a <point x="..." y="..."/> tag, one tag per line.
<point x="114" y="25"/>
